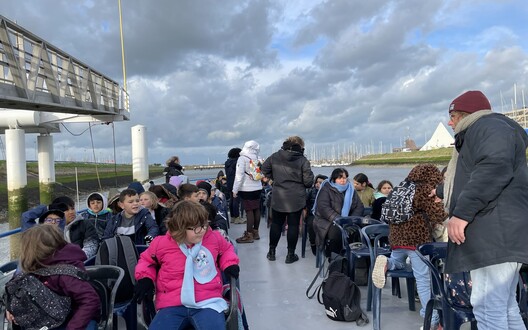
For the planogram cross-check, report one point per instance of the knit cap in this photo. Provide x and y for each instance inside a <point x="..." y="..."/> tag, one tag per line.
<point x="470" y="102"/>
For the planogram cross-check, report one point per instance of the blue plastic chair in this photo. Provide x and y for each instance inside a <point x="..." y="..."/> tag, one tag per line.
<point x="434" y="255"/>
<point x="376" y="238"/>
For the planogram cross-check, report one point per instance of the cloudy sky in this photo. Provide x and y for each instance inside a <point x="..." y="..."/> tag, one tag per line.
<point x="206" y="75"/>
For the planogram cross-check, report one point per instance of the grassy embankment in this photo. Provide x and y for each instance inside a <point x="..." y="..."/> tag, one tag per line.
<point x="437" y="156"/>
<point x="109" y="176"/>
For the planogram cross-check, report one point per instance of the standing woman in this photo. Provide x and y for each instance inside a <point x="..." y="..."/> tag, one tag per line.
<point x="336" y="198"/>
<point x="249" y="190"/>
<point x="292" y="175"/>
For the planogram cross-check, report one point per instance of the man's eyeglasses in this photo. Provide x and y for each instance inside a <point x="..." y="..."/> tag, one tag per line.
<point x="52" y="220"/>
<point x="198" y="229"/>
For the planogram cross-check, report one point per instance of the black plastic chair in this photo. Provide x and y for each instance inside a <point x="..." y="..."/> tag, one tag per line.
<point x="434" y="255"/>
<point x="7" y="271"/>
<point x="105" y="279"/>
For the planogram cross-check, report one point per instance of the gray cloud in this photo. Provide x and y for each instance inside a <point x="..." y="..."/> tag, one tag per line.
<point x="205" y="76"/>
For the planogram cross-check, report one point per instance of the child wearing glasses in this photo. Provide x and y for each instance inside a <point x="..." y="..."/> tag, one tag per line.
<point x="184" y="268"/>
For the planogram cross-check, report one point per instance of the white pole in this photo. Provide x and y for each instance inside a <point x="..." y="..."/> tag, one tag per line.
<point x="16" y="158"/>
<point x="140" y="171"/>
<point x="46" y="159"/>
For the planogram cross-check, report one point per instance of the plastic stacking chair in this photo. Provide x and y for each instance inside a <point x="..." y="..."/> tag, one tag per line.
<point x="376" y="238"/>
<point x="454" y="315"/>
<point x="105" y="279"/>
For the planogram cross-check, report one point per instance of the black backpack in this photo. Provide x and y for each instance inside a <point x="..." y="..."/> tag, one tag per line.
<point x="341" y="298"/>
<point x="33" y="304"/>
<point x="398" y="208"/>
<point x="120" y="251"/>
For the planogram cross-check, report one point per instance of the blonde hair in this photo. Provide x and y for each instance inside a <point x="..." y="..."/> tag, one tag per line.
<point x="37" y="244"/>
<point x="153" y="198"/>
<point x="185" y="214"/>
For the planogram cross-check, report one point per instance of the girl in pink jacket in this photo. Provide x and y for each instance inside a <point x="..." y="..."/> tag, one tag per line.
<point x="185" y="264"/>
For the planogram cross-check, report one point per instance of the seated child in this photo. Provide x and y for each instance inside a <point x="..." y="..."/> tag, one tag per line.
<point x="384" y="189"/>
<point x="185" y="267"/>
<point x="76" y="230"/>
<point x="364" y="189"/>
<point x="97" y="212"/>
<point x="134" y="221"/>
<point x="43" y="246"/>
<point x="149" y="200"/>
<point x="189" y="192"/>
<point x="309" y="217"/>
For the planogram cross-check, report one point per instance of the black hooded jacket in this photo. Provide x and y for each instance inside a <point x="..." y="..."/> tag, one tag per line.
<point x="292" y="175"/>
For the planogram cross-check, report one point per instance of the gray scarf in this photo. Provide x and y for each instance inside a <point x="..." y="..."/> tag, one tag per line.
<point x="449" y="179"/>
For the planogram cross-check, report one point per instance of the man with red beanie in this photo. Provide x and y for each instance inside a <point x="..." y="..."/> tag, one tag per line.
<point x="485" y="194"/>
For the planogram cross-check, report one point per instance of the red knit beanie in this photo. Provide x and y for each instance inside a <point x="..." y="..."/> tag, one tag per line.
<point x="471" y="101"/>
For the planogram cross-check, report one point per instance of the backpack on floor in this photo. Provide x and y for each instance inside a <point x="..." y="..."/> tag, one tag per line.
<point x="120" y="251"/>
<point x="341" y="298"/>
<point x="397" y="208"/>
<point x="34" y="305"/>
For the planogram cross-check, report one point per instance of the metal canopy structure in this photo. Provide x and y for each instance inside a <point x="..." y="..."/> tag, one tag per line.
<point x="40" y="77"/>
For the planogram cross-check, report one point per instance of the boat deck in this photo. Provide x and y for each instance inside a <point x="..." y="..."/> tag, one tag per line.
<point x="273" y="292"/>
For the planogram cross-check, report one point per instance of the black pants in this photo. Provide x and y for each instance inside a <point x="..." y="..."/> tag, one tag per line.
<point x="277" y="221"/>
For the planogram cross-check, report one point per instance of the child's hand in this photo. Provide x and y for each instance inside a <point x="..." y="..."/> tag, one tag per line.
<point x="232" y="271"/>
<point x="144" y="289"/>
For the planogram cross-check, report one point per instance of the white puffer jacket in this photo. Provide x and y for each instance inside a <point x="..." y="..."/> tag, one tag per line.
<point x="244" y="182"/>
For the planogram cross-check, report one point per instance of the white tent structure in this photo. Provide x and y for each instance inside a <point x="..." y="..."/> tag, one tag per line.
<point x="441" y="139"/>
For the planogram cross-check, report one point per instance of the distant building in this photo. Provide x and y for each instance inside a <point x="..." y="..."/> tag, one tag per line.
<point x="441" y="139"/>
<point x="520" y="116"/>
<point x="409" y="146"/>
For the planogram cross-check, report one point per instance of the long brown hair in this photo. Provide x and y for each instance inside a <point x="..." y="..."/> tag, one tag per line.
<point x="37" y="244"/>
<point x="185" y="214"/>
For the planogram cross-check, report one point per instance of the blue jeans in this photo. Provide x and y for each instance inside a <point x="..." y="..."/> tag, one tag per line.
<point x="181" y="317"/>
<point x="398" y="260"/>
<point x="493" y="296"/>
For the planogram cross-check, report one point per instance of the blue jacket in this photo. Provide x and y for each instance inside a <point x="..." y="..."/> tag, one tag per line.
<point x="144" y="225"/>
<point x="30" y="217"/>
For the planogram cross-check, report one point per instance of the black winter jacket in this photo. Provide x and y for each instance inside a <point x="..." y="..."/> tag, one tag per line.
<point x="291" y="174"/>
<point x="489" y="192"/>
<point x="329" y="205"/>
<point x="230" y="172"/>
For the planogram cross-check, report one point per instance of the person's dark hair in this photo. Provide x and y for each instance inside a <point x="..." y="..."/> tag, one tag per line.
<point x="320" y="176"/>
<point x="337" y="173"/>
<point x="363" y="178"/>
<point x="382" y="183"/>
<point x="158" y="191"/>
<point x="211" y="210"/>
<point x="95" y="197"/>
<point x="293" y="143"/>
<point x="234" y="153"/>
<point x="127" y="193"/>
<point x="186" y="190"/>
<point x="64" y="199"/>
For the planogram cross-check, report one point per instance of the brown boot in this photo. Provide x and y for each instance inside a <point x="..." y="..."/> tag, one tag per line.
<point x="256" y="234"/>
<point x="246" y="238"/>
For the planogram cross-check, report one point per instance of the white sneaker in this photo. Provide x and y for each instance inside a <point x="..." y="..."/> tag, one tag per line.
<point x="378" y="273"/>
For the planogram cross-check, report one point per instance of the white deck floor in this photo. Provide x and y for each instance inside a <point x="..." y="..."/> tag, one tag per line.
<point x="274" y="292"/>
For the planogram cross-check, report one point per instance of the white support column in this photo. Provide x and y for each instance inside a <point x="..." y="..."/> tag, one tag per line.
<point x="16" y="158"/>
<point x="46" y="159"/>
<point x="140" y="170"/>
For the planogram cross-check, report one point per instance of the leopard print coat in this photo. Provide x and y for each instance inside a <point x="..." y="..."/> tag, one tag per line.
<point x="417" y="230"/>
